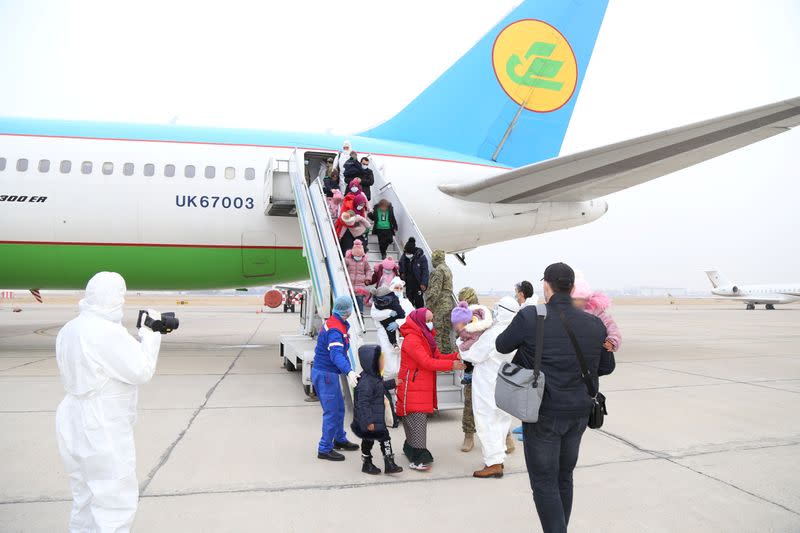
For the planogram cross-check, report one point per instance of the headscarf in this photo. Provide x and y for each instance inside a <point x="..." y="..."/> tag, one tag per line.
<point x="417" y="316"/>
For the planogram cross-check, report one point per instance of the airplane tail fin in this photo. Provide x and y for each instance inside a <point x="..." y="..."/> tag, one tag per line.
<point x="717" y="279"/>
<point x="509" y="98"/>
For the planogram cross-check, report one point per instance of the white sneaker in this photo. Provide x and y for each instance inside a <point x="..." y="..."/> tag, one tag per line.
<point x="422" y="467"/>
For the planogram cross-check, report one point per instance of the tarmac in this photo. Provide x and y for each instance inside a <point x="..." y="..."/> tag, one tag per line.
<point x="703" y="433"/>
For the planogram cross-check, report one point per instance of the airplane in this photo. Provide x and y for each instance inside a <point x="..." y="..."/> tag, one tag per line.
<point x="753" y="295"/>
<point x="173" y="207"/>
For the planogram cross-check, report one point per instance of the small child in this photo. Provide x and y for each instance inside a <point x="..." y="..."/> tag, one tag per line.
<point x="335" y="204"/>
<point x="360" y="272"/>
<point x="373" y="410"/>
<point x="385" y="272"/>
<point x="386" y="299"/>
<point x="469" y="321"/>
<point x="597" y="304"/>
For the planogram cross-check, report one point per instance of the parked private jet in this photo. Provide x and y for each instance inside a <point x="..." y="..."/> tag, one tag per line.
<point x="752" y="295"/>
<point x="176" y="207"/>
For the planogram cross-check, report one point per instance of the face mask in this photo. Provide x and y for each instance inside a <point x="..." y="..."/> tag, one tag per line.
<point x="399" y="293"/>
<point x="365" y="166"/>
<point x="353" y="189"/>
<point x="359" y="258"/>
<point x="359" y="207"/>
<point x="429" y="324"/>
<point x="409" y="255"/>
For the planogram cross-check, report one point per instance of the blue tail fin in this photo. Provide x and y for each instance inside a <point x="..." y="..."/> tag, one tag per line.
<point x="510" y="98"/>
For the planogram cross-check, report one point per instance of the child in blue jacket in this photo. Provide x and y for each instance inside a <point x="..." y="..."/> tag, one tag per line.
<point x="373" y="410"/>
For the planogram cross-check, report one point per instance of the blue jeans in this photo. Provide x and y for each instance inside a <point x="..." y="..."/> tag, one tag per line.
<point x="326" y="385"/>
<point x="551" y="452"/>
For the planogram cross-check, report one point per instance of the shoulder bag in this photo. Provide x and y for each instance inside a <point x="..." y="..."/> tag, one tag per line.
<point x="598" y="400"/>
<point x="519" y="390"/>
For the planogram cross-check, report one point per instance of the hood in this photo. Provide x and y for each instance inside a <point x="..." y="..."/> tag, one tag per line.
<point x="354" y="183"/>
<point x="105" y="296"/>
<point x="506" y="309"/>
<point x="598" y="302"/>
<point x="397" y="282"/>
<point x="482" y="319"/>
<point x="437" y="258"/>
<point x="368" y="356"/>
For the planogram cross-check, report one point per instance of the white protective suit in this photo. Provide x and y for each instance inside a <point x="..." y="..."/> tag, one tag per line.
<point x="491" y="424"/>
<point x="339" y="161"/>
<point x="101" y="366"/>
<point x="391" y="354"/>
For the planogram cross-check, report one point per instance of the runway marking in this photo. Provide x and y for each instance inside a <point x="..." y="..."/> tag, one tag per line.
<point x="168" y="453"/>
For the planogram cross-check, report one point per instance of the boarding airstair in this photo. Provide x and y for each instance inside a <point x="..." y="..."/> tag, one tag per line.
<point x="329" y="278"/>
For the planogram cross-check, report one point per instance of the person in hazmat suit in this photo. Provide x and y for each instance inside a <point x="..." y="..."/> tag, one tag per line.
<point x="492" y="423"/>
<point x="101" y="366"/>
<point x="439" y="299"/>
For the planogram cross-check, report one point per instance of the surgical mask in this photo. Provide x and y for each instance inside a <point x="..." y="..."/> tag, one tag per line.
<point x="399" y="293"/>
<point x="359" y="258"/>
<point x="409" y="255"/>
<point x="353" y="189"/>
<point x="364" y="166"/>
<point x="429" y="324"/>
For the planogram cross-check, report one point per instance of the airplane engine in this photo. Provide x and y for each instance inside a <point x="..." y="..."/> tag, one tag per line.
<point x="732" y="290"/>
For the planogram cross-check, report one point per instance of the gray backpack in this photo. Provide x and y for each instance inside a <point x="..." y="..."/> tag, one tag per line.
<point x="519" y="390"/>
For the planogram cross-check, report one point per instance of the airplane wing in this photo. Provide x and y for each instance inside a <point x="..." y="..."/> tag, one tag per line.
<point x="608" y="169"/>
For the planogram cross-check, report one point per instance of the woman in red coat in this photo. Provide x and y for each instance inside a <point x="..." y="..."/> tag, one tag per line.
<point x="420" y="360"/>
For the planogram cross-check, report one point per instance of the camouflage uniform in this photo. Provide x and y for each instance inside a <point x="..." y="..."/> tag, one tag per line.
<point x="439" y="299"/>
<point x="467" y="294"/>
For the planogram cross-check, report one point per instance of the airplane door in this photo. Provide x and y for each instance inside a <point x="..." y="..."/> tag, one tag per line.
<point x="259" y="257"/>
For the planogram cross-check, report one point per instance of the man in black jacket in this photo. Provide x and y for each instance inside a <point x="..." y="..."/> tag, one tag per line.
<point x="552" y="443"/>
<point x="367" y="178"/>
<point x="414" y="271"/>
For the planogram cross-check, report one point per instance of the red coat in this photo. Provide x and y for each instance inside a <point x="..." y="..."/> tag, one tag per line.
<point x="418" y="367"/>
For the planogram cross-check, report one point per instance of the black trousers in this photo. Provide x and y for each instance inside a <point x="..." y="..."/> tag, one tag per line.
<point x="385" y="238"/>
<point x="386" y="447"/>
<point x="347" y="241"/>
<point x="414" y="295"/>
<point x="551" y="452"/>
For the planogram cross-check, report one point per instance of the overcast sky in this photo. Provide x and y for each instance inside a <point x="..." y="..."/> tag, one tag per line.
<point x="344" y="66"/>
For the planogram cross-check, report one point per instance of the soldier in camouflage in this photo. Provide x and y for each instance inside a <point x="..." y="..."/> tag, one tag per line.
<point x="439" y="299"/>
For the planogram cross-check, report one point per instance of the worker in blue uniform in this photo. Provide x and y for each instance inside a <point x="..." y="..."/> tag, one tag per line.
<point x="330" y="361"/>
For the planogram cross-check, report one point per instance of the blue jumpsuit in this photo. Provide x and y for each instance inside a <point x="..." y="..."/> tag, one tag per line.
<point x="331" y="360"/>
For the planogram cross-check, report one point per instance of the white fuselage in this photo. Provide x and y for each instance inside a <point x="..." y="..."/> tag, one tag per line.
<point x="105" y="205"/>
<point x="783" y="293"/>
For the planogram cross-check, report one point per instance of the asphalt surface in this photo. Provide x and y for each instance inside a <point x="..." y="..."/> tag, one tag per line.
<point x="703" y="434"/>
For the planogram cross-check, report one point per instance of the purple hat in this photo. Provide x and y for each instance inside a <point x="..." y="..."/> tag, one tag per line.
<point x="461" y="314"/>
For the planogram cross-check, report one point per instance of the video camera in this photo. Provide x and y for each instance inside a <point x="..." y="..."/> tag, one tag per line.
<point x="166" y="324"/>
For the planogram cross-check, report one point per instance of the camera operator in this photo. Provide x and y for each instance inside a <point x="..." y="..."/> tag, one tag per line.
<point x="101" y="366"/>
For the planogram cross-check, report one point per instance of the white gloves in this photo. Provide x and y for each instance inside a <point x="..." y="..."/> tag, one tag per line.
<point x="352" y="379"/>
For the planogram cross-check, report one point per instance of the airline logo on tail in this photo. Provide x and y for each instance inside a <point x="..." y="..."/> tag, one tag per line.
<point x="535" y="65"/>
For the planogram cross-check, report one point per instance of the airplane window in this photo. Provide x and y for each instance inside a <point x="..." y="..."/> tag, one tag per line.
<point x="108" y="168"/>
<point x="211" y="172"/>
<point x="22" y="165"/>
<point x="189" y="171"/>
<point x="149" y="169"/>
<point x="44" y="165"/>
<point x="65" y="167"/>
<point x="2" y="163"/>
<point x="249" y="173"/>
<point x="127" y="169"/>
<point x="169" y="170"/>
<point x="86" y="167"/>
<point x="230" y="173"/>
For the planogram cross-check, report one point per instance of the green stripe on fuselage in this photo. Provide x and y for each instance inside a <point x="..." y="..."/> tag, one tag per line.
<point x="69" y="266"/>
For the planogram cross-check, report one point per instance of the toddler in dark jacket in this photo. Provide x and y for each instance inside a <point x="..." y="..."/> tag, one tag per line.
<point x="386" y="299"/>
<point x="373" y="410"/>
